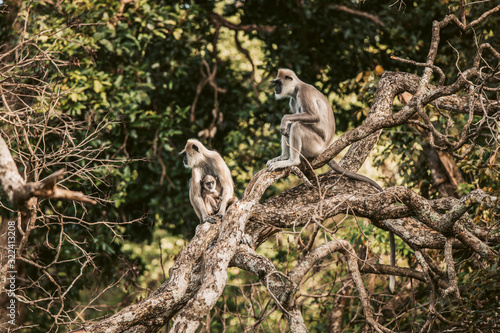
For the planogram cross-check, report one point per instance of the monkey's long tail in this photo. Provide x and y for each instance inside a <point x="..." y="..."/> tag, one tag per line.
<point x="392" y="279"/>
<point x="339" y="169"/>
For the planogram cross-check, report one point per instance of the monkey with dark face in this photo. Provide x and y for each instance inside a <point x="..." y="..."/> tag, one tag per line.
<point x="210" y="194"/>
<point x="205" y="162"/>
<point x="309" y="130"/>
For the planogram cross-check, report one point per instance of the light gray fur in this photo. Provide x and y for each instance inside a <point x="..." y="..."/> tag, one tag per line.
<point x="309" y="131"/>
<point x="210" y="194"/>
<point x="205" y="162"/>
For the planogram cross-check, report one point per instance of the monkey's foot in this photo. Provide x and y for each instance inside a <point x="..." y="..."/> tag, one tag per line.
<point x="281" y="165"/>
<point x="274" y="160"/>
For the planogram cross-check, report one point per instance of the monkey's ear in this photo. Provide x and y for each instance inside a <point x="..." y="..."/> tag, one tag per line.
<point x="195" y="147"/>
<point x="288" y="78"/>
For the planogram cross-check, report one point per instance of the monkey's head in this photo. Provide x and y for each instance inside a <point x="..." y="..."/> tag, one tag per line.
<point x="193" y="153"/>
<point x="285" y="83"/>
<point x="209" y="183"/>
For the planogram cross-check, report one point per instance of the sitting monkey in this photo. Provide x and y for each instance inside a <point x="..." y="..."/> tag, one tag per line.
<point x="309" y="131"/>
<point x="204" y="162"/>
<point x="210" y="194"/>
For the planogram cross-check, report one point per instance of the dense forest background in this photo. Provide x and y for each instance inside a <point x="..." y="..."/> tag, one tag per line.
<point x="111" y="90"/>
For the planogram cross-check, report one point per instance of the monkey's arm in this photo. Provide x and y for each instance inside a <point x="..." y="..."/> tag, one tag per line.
<point x="226" y="183"/>
<point x="306" y="112"/>
<point x="308" y="118"/>
<point x="210" y="203"/>
<point x="288" y="119"/>
<point x="195" y="196"/>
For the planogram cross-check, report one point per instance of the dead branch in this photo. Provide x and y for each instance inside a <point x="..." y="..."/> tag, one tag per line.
<point x="20" y="192"/>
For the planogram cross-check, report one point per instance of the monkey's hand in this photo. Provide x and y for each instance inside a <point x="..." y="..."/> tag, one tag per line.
<point x="285" y="126"/>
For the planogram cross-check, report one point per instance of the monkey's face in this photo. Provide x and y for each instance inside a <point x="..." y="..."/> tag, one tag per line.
<point x="285" y="83"/>
<point x="278" y="86"/>
<point x="209" y="183"/>
<point x="192" y="153"/>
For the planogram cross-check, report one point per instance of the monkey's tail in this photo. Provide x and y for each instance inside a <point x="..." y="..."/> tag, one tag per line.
<point x="392" y="279"/>
<point x="337" y="168"/>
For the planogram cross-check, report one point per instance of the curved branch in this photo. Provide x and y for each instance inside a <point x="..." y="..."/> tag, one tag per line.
<point x="399" y="271"/>
<point x="356" y="12"/>
<point x="380" y="116"/>
<point x="169" y="294"/>
<point x="278" y="285"/>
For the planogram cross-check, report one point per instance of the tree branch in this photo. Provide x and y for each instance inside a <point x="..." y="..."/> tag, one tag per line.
<point x="20" y="192"/>
<point x="356" y="12"/>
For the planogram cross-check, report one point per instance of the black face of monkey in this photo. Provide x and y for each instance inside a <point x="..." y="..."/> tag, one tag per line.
<point x="278" y="87"/>
<point x="193" y="149"/>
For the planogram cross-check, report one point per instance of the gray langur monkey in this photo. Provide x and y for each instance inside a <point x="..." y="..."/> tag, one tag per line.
<point x="205" y="162"/>
<point x="210" y="194"/>
<point x="309" y="131"/>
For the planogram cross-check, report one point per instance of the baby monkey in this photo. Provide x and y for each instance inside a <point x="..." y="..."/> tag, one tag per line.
<point x="203" y="163"/>
<point x="210" y="194"/>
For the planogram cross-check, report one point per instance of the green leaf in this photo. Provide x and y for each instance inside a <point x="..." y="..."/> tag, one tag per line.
<point x="107" y="44"/>
<point x="98" y="87"/>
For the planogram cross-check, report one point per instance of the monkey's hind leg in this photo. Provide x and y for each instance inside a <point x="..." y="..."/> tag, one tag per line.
<point x="285" y="152"/>
<point x="294" y="148"/>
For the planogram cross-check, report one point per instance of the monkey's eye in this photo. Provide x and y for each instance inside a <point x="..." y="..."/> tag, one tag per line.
<point x="288" y="78"/>
<point x="195" y="147"/>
